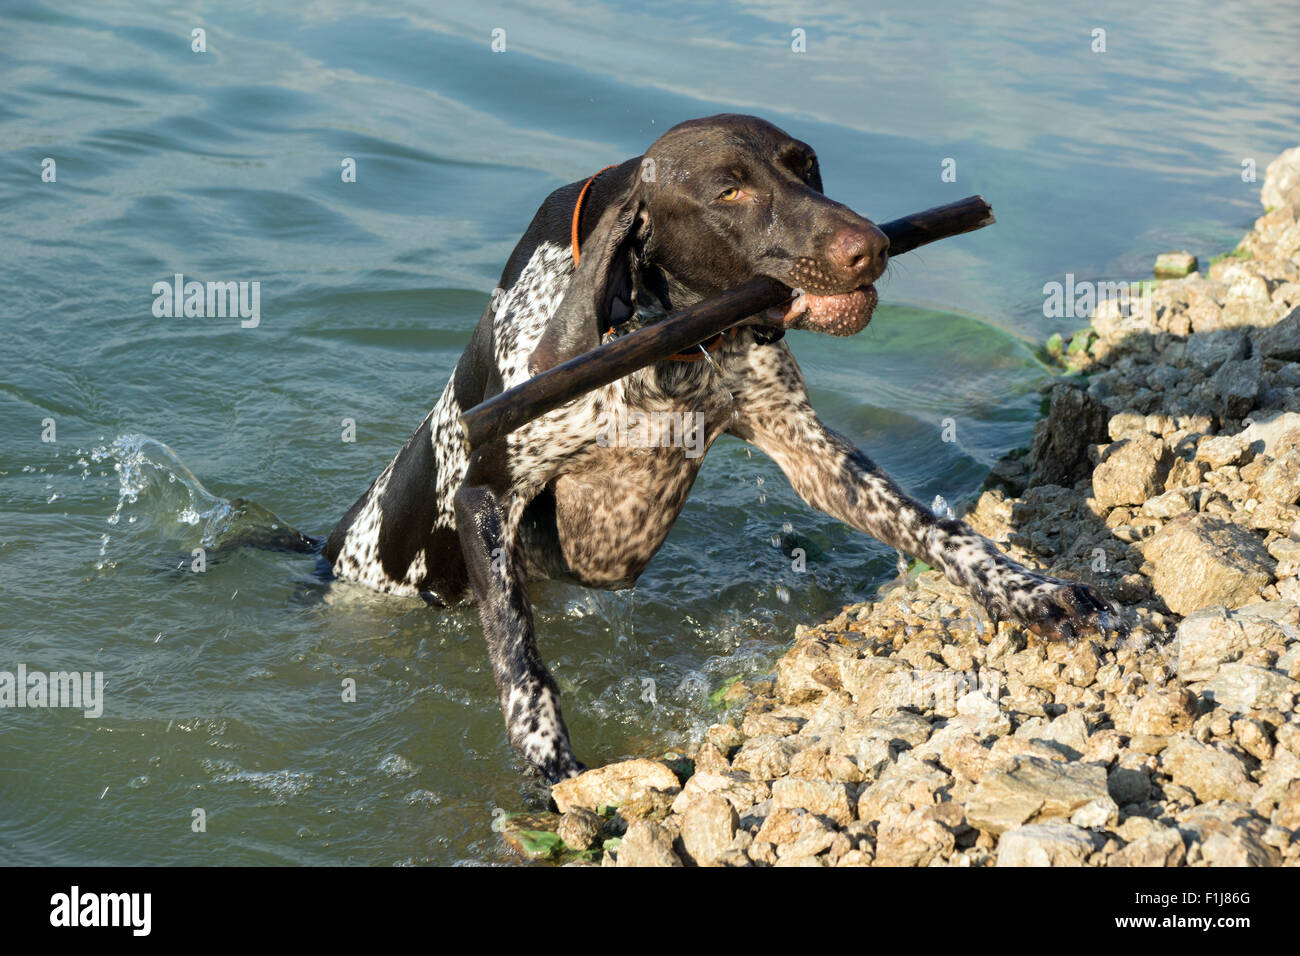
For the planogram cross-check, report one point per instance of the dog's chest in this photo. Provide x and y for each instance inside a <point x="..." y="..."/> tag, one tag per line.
<point x="618" y="498"/>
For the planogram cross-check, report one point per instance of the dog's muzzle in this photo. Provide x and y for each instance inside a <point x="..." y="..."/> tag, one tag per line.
<point x="845" y="314"/>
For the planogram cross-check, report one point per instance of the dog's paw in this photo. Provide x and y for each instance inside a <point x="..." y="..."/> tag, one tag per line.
<point x="560" y="770"/>
<point x="1066" y="611"/>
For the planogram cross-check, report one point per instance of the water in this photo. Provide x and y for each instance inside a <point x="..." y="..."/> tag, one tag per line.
<point x="224" y="688"/>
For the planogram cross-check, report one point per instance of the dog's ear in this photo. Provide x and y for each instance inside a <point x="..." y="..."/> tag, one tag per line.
<point x="602" y="292"/>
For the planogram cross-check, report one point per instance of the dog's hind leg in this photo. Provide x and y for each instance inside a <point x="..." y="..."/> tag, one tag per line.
<point x="530" y="699"/>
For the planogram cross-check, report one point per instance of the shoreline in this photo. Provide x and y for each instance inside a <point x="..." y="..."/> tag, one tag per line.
<point x="908" y="731"/>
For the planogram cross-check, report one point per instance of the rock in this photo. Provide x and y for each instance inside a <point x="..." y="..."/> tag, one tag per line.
<point x="1060" y="451"/>
<point x="647" y="844"/>
<point x="1068" y="733"/>
<point x="795" y="832"/>
<point x="1280" y="341"/>
<point x="648" y="803"/>
<point x="1208" y="352"/>
<point x="1208" y="772"/>
<point x="1161" y="847"/>
<point x="1163" y="712"/>
<point x="708" y="828"/>
<point x="1280" y="480"/>
<point x="906" y="781"/>
<point x="765" y="757"/>
<point x="531" y="834"/>
<point x="1242" y="687"/>
<point x="1201" y="560"/>
<point x="758" y="723"/>
<point x="612" y="785"/>
<point x="809" y="670"/>
<point x="579" y="828"/>
<point x="1287" y="813"/>
<point x="1220" y="450"/>
<point x="958" y="749"/>
<point x="1174" y="265"/>
<point x="1034" y="790"/>
<point x="1267" y="433"/>
<point x="1282" y="181"/>
<point x="709" y="757"/>
<point x="1131" y="471"/>
<point x="1172" y="503"/>
<point x="906" y="838"/>
<point x="1236" y="850"/>
<point x="726" y="737"/>
<point x="1096" y="814"/>
<point x="1045" y="844"/>
<point x="534" y="844"/>
<point x="830" y="800"/>
<point x="1127" y="785"/>
<point x="1214" y="636"/>
<point x="1228" y="834"/>
<point x="878" y="683"/>
<point x="735" y="787"/>
<point x="1253" y="737"/>
<point x="1238" y="383"/>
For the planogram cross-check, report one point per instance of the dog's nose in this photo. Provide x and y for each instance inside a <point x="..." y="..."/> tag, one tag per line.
<point x="856" y="249"/>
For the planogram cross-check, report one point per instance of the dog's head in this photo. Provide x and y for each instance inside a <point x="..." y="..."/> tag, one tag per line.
<point x="712" y="203"/>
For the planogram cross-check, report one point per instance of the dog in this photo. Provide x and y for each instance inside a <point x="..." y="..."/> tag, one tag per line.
<point x="712" y="203"/>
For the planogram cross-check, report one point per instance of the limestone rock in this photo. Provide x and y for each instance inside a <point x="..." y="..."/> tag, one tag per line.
<point x="647" y="844"/>
<point x="1060" y="451"/>
<point x="708" y="828"/>
<point x="1161" y="847"/>
<point x="1208" y="772"/>
<point x="1034" y="790"/>
<point x="1202" y="560"/>
<point x="579" y="828"/>
<point x="1282" y="181"/>
<point x="612" y="785"/>
<point x="1045" y="844"/>
<point x="1163" y="712"/>
<point x="830" y="800"/>
<point x="1213" y="636"/>
<point x="1243" y="687"/>
<point x="1132" y="471"/>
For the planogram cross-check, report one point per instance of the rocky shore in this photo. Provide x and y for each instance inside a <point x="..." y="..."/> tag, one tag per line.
<point x="908" y="731"/>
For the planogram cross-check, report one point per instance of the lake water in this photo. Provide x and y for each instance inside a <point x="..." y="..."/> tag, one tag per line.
<point x="223" y="688"/>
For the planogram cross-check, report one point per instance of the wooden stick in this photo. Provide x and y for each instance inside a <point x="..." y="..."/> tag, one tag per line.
<point x="503" y="413"/>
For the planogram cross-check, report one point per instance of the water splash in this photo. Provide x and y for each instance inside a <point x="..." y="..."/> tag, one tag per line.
<point x="146" y="466"/>
<point x="156" y="489"/>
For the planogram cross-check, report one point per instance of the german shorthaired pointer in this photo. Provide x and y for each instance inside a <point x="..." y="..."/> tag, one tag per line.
<point x="712" y="203"/>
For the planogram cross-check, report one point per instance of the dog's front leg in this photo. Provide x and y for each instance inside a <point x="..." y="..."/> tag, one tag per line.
<point x="833" y="476"/>
<point x="529" y="697"/>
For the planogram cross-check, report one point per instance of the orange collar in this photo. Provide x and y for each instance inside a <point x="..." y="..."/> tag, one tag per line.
<point x="577" y="214"/>
<point x="692" y="355"/>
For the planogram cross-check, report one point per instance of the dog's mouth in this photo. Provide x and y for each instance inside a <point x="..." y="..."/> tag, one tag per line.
<point x="844" y="314"/>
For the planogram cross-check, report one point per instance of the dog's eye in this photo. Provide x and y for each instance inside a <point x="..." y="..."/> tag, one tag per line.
<point x="731" y="195"/>
<point x="809" y="164"/>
